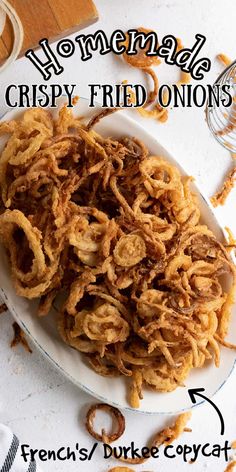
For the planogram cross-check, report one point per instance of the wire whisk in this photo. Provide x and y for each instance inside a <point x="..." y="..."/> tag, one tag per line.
<point x="221" y="119"/>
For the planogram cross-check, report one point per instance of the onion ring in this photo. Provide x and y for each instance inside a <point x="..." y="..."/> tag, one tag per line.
<point x="115" y="413"/>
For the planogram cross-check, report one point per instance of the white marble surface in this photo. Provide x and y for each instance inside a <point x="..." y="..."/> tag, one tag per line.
<point x="43" y="408"/>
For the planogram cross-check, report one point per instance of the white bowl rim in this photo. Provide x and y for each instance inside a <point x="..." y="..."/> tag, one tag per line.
<point x="53" y="361"/>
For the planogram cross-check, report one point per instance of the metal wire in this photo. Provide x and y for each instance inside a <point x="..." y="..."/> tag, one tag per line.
<point x="220" y="119"/>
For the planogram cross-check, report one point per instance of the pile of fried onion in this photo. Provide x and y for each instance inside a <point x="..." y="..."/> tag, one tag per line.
<point x="117" y="232"/>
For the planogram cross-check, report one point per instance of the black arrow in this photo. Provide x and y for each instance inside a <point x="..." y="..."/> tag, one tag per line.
<point x="193" y="392"/>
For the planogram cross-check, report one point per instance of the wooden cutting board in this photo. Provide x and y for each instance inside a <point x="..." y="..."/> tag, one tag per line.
<point x="52" y="19"/>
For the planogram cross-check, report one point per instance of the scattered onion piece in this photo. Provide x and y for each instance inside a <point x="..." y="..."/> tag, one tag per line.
<point x="179" y="44"/>
<point x="230" y="466"/>
<point x="115" y="413"/>
<point x="19" y="338"/>
<point x="157" y="112"/>
<point x="120" y="469"/>
<point x="140" y="60"/>
<point x="3" y="308"/>
<point x="185" y="78"/>
<point x="165" y="436"/>
<point x="144" y="62"/>
<point x="225" y="60"/>
<point x="220" y="197"/>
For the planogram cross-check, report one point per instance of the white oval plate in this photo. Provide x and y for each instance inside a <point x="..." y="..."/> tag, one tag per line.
<point x="71" y="363"/>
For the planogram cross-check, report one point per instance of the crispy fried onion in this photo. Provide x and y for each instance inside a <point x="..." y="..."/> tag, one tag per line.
<point x="112" y="237"/>
<point x="19" y="338"/>
<point x="224" y="60"/>
<point x="120" y="469"/>
<point x="230" y="467"/>
<point x="145" y="63"/>
<point x="221" y="195"/>
<point x="141" y="59"/>
<point x="115" y="413"/>
<point x="3" y="308"/>
<point x="129" y="250"/>
<point x="165" y="436"/>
